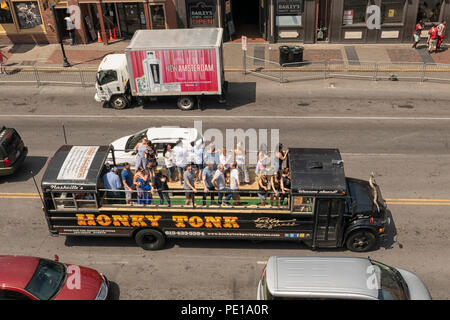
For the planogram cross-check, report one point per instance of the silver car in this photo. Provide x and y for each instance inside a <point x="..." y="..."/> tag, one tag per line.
<point x="337" y="278"/>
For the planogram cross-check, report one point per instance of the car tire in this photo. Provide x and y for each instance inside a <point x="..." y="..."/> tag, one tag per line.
<point x="118" y="102"/>
<point x="361" y="241"/>
<point x="150" y="239"/>
<point x="186" y="103"/>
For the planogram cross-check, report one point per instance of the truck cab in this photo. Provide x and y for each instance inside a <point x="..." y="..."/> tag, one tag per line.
<point x="112" y="81"/>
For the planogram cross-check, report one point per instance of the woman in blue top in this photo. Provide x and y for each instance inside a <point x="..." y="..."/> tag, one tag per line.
<point x="141" y="157"/>
<point x="142" y="182"/>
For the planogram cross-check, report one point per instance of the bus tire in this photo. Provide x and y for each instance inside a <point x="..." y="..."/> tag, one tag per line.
<point x="186" y="103"/>
<point x="150" y="239"/>
<point x="361" y="241"/>
<point x="118" y="102"/>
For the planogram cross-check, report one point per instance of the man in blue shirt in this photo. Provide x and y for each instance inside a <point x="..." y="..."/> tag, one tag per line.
<point x="208" y="187"/>
<point x="127" y="181"/>
<point x="111" y="181"/>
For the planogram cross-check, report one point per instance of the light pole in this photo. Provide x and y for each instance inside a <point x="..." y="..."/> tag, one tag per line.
<point x="59" y="35"/>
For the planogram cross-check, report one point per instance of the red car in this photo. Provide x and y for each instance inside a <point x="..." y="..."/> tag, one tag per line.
<point x="23" y="278"/>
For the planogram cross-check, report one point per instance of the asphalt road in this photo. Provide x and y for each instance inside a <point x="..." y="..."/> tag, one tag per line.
<point x="399" y="131"/>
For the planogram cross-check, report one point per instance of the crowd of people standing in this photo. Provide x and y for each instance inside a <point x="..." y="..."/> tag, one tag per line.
<point x="436" y="35"/>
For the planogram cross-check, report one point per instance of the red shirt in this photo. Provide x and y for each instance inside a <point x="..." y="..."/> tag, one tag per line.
<point x="433" y="33"/>
<point x="418" y="29"/>
<point x="1" y="56"/>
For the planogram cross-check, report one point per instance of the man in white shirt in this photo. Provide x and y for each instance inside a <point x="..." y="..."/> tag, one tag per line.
<point x="181" y="160"/>
<point x="235" y="183"/>
<point x="70" y="26"/>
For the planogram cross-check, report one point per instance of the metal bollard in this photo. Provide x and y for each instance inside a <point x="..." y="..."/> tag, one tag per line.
<point x="36" y="74"/>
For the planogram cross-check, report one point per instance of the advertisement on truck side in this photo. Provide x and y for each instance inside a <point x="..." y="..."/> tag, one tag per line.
<point x="190" y="70"/>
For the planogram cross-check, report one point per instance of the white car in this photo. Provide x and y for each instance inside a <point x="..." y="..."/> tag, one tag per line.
<point x="123" y="147"/>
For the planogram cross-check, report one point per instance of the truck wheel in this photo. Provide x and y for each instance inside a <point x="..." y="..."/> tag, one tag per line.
<point x="149" y="239"/>
<point x="361" y="241"/>
<point x="186" y="103"/>
<point x="118" y="102"/>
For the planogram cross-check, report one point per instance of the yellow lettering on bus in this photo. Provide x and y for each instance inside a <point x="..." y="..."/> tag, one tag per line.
<point x="153" y="220"/>
<point x="121" y="220"/>
<point x="137" y="221"/>
<point x="86" y="220"/>
<point x="180" y="221"/>
<point x="230" y="222"/>
<point x="216" y="221"/>
<point x="103" y="220"/>
<point x="196" y="222"/>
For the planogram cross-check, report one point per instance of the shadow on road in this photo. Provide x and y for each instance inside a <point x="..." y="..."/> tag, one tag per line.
<point x="114" y="291"/>
<point x="29" y="168"/>
<point x="239" y="94"/>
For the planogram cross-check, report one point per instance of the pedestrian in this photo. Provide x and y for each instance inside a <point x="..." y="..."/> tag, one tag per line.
<point x="441" y="34"/>
<point x="235" y="183"/>
<point x="239" y="153"/>
<point x="417" y="33"/>
<point x="263" y="160"/>
<point x="189" y="185"/>
<point x="198" y="158"/>
<point x="264" y="187"/>
<point x="225" y="158"/>
<point x="281" y="156"/>
<point x="162" y="187"/>
<point x="285" y="185"/>
<point x="433" y="38"/>
<point x="127" y="181"/>
<point x="276" y="188"/>
<point x="141" y="180"/>
<point x="141" y="154"/>
<point x="218" y="182"/>
<point x="169" y="160"/>
<point x="151" y="157"/>
<point x="111" y="181"/>
<point x="70" y="27"/>
<point x="211" y="156"/>
<point x="207" y="176"/>
<point x="181" y="161"/>
<point x="2" y="65"/>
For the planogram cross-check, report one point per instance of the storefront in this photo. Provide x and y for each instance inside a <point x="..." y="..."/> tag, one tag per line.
<point x="34" y="22"/>
<point x="348" y="22"/>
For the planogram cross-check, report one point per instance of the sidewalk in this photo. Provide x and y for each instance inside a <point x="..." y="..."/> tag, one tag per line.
<point x="90" y="55"/>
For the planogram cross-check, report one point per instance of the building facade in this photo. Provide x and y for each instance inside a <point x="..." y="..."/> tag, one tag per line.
<point x="301" y="21"/>
<point x="35" y="22"/>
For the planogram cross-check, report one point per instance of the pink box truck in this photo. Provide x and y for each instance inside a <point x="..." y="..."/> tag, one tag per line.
<point x="186" y="63"/>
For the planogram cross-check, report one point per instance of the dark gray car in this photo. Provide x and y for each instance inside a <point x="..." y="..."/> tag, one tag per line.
<point x="337" y="278"/>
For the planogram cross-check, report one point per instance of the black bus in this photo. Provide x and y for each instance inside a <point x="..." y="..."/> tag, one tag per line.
<point x="324" y="209"/>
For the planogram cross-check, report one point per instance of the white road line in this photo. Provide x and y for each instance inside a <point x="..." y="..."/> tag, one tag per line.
<point x="268" y="117"/>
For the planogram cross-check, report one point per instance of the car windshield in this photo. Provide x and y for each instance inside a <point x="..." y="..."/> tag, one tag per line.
<point x="134" y="139"/>
<point x="106" y="76"/>
<point x="47" y="280"/>
<point x="391" y="285"/>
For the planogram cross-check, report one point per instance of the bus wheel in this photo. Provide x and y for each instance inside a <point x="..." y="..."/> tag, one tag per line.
<point x="149" y="239"/>
<point x="361" y="241"/>
<point x="186" y="103"/>
<point x="118" y="102"/>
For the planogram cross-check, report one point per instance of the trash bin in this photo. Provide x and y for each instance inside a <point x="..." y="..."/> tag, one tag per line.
<point x="297" y="54"/>
<point x="284" y="54"/>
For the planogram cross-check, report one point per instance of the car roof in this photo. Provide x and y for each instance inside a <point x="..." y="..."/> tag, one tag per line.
<point x="16" y="271"/>
<point x="172" y="134"/>
<point x="331" y="277"/>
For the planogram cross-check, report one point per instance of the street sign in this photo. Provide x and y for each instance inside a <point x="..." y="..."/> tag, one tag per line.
<point x="244" y="43"/>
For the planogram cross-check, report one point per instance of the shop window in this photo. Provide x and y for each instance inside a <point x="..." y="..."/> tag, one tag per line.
<point x="158" y="17"/>
<point x="392" y="11"/>
<point x="5" y="12"/>
<point x="429" y="10"/>
<point x="289" y="13"/>
<point x="28" y="14"/>
<point x="202" y="14"/>
<point x="354" y="12"/>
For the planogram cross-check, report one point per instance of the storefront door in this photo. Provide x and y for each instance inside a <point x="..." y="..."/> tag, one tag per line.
<point x="131" y="17"/>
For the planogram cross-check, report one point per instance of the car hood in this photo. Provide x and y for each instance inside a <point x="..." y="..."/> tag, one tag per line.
<point x="417" y="289"/>
<point x="120" y="144"/>
<point x="89" y="284"/>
